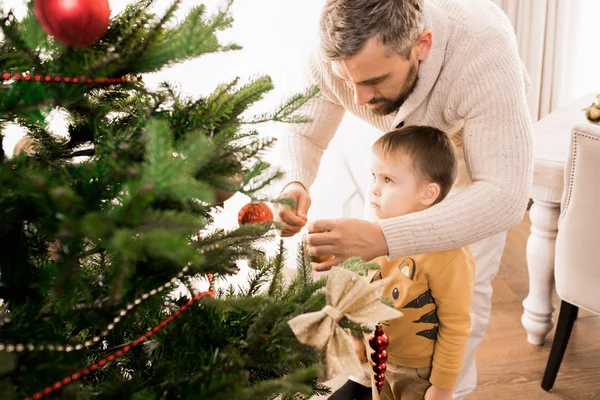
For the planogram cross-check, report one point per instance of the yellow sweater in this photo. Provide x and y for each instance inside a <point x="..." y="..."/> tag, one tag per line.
<point x="434" y="292"/>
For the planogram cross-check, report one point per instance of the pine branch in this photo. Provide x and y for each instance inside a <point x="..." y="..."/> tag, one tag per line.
<point x="354" y="327"/>
<point x="260" y="184"/>
<point x="9" y="26"/>
<point x="304" y="270"/>
<point x="222" y="103"/>
<point x="48" y="102"/>
<point x="276" y="286"/>
<point x="174" y="220"/>
<point x="159" y="26"/>
<point x="285" y="112"/>
<point x="251" y="93"/>
<point x="320" y="389"/>
<point x="79" y="153"/>
<point x="91" y="252"/>
<point x="33" y="35"/>
<point x="257" y="147"/>
<point x="258" y="279"/>
<point x="230" y="292"/>
<point x="192" y="38"/>
<point x="132" y="20"/>
<point x="388" y="302"/>
<point x="292" y="383"/>
<point x="359" y="266"/>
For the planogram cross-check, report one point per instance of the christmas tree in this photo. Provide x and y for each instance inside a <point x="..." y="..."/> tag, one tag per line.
<point x="98" y="227"/>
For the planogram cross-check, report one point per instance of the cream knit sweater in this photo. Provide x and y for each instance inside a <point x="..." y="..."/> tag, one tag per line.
<point x="472" y="86"/>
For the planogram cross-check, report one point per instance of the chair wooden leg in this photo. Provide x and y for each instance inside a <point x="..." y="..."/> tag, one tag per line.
<point x="566" y="318"/>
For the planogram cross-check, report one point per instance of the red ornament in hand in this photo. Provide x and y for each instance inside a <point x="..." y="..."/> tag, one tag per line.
<point x="379" y="343"/>
<point x="255" y="213"/>
<point x="73" y="22"/>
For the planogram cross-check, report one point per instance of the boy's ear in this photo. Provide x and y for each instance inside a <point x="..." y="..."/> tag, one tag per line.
<point x="430" y="193"/>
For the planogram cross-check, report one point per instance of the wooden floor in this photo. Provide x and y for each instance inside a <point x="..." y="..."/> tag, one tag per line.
<point x="509" y="368"/>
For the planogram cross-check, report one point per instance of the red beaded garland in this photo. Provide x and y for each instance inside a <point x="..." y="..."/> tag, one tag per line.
<point x="116" y="354"/>
<point x="58" y="79"/>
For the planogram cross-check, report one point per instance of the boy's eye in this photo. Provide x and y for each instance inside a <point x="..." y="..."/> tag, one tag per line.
<point x="388" y="180"/>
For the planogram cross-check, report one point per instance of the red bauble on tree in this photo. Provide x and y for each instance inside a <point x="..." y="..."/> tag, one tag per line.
<point x="73" y="22"/>
<point x="379" y="343"/>
<point x="255" y="213"/>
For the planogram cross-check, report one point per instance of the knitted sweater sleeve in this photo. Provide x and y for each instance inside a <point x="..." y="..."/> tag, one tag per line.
<point x="302" y="146"/>
<point x="490" y="94"/>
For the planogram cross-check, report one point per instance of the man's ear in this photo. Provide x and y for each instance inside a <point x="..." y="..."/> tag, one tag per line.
<point x="423" y="45"/>
<point x="430" y="193"/>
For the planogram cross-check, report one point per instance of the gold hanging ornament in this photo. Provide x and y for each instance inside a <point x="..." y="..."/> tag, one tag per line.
<point x="593" y="111"/>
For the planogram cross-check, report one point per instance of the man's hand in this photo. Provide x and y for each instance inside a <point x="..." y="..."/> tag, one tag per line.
<point x="437" y="393"/>
<point x="345" y="238"/>
<point x="293" y="219"/>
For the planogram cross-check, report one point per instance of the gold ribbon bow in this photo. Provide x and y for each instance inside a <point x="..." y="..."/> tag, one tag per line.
<point x="347" y="295"/>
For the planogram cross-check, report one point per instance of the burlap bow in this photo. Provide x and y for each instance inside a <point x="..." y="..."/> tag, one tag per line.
<point x="347" y="295"/>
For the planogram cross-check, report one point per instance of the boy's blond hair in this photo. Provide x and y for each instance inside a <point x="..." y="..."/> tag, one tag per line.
<point x="431" y="152"/>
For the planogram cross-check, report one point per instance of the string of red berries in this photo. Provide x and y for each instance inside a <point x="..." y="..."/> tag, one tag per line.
<point x="66" y="79"/>
<point x="119" y="353"/>
<point x="20" y="347"/>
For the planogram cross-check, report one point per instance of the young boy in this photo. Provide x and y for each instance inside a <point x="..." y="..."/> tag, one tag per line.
<point x="413" y="169"/>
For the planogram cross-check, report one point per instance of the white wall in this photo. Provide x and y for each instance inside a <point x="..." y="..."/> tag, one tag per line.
<point x="586" y="53"/>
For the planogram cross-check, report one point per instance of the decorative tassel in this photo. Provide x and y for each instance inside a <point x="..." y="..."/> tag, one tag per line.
<point x="379" y="343"/>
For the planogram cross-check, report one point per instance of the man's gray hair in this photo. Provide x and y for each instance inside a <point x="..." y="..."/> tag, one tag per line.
<point x="346" y="25"/>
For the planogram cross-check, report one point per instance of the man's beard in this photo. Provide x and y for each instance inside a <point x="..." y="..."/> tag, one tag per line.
<point x="389" y="106"/>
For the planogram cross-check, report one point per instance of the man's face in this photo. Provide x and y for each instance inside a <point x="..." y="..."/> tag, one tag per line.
<point x="382" y="79"/>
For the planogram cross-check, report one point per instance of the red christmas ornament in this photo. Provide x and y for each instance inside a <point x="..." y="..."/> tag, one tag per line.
<point x="255" y="213"/>
<point x="379" y="343"/>
<point x="379" y="357"/>
<point x="379" y="368"/>
<point x="73" y="22"/>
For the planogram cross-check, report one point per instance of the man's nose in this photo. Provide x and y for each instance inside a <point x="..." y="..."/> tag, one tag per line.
<point x="362" y="95"/>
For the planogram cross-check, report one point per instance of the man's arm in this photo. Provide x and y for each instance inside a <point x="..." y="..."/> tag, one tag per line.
<point x="302" y="146"/>
<point x="497" y="146"/>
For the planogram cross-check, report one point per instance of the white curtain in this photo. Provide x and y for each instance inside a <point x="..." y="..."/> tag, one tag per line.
<point x="547" y="33"/>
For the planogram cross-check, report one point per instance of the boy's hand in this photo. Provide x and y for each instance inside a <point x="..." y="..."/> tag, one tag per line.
<point x="360" y="349"/>
<point x="437" y="393"/>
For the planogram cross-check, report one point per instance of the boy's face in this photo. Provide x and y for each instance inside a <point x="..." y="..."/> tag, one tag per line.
<point x="395" y="190"/>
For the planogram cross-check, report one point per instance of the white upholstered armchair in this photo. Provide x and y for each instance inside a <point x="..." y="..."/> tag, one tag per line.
<point x="577" y="263"/>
